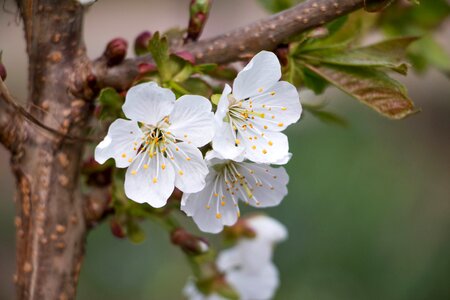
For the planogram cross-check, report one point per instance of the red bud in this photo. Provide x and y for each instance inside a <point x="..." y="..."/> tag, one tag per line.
<point x="189" y="243"/>
<point x="185" y="55"/>
<point x="141" y="42"/>
<point x="115" y="51"/>
<point x="117" y="229"/>
<point x="146" y="68"/>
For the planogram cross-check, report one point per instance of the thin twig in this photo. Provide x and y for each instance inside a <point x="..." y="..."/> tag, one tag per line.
<point x="242" y="42"/>
<point x="29" y="117"/>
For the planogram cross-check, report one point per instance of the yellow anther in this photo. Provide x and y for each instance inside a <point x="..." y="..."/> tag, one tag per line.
<point x="155" y="180"/>
<point x="215" y="194"/>
<point x="177" y="149"/>
<point x="207" y="206"/>
<point x="130" y="160"/>
<point x="237" y="141"/>
<point x="188" y="158"/>
<point x="265" y="127"/>
<point x="260" y="90"/>
<point x="264" y="151"/>
<point x="283" y="108"/>
<point x="124" y="155"/>
<point x="258" y="203"/>
<point x="145" y="166"/>
<point x="239" y="214"/>
<point x="273" y="117"/>
<point x="272" y="93"/>
<point x="270" y="143"/>
<point x="134" y="148"/>
<point x="218" y="216"/>
<point x="163" y="149"/>
<point x="133" y="172"/>
<point x="254" y="147"/>
<point x="252" y="172"/>
<point x="280" y="124"/>
<point x="180" y="172"/>
<point x="168" y="132"/>
<point x="185" y="135"/>
<point x="163" y="166"/>
<point x="263" y="116"/>
<point x="222" y="203"/>
<point x="263" y="106"/>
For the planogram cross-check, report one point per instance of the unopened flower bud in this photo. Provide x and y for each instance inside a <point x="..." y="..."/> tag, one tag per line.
<point x="189" y="243"/>
<point x="141" y="42"/>
<point x="185" y="55"/>
<point x="282" y="52"/>
<point x="117" y="229"/>
<point x="3" y="73"/>
<point x="199" y="10"/>
<point x="146" y="68"/>
<point x="115" y="51"/>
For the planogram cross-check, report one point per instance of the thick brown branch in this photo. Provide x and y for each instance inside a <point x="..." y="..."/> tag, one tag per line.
<point x="51" y="227"/>
<point x="242" y="42"/>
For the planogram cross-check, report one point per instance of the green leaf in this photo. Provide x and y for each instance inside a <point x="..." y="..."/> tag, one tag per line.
<point x="372" y="87"/>
<point x="387" y="54"/>
<point x="111" y="103"/>
<point x="427" y="52"/>
<point x="159" y="49"/>
<point x="197" y="86"/>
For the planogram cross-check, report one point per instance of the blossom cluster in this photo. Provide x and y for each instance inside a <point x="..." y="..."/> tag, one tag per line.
<point x="248" y="266"/>
<point x="159" y="144"/>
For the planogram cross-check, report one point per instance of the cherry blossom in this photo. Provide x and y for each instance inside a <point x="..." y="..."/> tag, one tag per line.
<point x="159" y="143"/>
<point x="227" y="182"/>
<point x="250" y="117"/>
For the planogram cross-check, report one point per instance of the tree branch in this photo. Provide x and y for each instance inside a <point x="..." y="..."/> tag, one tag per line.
<point x="242" y="42"/>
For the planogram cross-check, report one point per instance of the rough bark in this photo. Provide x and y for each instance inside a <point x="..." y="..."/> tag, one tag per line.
<point x="50" y="224"/>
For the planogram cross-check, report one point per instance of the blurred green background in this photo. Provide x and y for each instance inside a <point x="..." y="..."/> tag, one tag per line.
<point x="368" y="209"/>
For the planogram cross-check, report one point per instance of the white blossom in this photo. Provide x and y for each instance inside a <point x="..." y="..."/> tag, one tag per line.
<point x="250" y="117"/>
<point x="227" y="182"/>
<point x="159" y="143"/>
<point x="248" y="266"/>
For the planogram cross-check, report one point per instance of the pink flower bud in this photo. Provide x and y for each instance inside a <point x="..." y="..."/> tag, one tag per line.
<point x="185" y="55"/>
<point x="141" y="42"/>
<point x="189" y="243"/>
<point x="117" y="229"/>
<point x="115" y="51"/>
<point x="146" y="68"/>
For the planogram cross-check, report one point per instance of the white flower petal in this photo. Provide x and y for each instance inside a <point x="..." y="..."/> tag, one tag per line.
<point x="260" y="74"/>
<point x="269" y="185"/>
<point x="192" y="120"/>
<point x="277" y="108"/>
<point x="190" y="168"/>
<point x="222" y="106"/>
<point x="255" y="286"/>
<point x="264" y="147"/>
<point x="224" y="141"/>
<point x="267" y="229"/>
<point x="208" y="209"/>
<point x="150" y="180"/>
<point x="148" y="103"/>
<point x="119" y="143"/>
